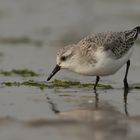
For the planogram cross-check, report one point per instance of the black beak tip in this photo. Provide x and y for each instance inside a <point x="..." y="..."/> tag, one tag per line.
<point x="48" y="79"/>
<point x="56" y="69"/>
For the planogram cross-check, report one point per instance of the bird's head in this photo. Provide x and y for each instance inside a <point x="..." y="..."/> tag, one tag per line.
<point x="66" y="59"/>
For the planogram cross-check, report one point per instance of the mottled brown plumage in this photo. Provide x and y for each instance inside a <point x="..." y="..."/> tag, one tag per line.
<point x="117" y="42"/>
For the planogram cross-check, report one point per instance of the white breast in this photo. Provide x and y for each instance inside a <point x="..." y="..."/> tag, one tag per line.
<point x="108" y="65"/>
<point x="105" y="65"/>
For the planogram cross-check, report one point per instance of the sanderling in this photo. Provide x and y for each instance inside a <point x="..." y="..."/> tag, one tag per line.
<point x="99" y="54"/>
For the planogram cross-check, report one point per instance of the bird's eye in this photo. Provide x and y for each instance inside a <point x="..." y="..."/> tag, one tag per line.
<point x="63" y="58"/>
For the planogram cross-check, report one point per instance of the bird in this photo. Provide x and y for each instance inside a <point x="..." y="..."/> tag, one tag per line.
<point x="98" y="54"/>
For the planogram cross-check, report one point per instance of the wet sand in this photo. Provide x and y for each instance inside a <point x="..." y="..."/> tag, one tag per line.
<point x="60" y="113"/>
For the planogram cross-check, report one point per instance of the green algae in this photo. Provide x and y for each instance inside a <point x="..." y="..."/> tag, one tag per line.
<point x="20" y="40"/>
<point x="64" y="84"/>
<point x="19" y="72"/>
<point x="90" y="85"/>
<point x="5" y="73"/>
<point x="13" y="40"/>
<point x="135" y="86"/>
<point x="29" y="83"/>
<point x="25" y="72"/>
<point x="54" y="84"/>
<point x="65" y="95"/>
<point x="9" y="84"/>
<point x="68" y="84"/>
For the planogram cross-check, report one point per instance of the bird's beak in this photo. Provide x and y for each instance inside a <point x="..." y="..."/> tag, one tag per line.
<point x="56" y="69"/>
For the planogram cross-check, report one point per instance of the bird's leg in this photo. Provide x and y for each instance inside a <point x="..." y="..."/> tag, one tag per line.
<point x="126" y="87"/>
<point x="125" y="102"/>
<point x="96" y="83"/>
<point x="96" y="99"/>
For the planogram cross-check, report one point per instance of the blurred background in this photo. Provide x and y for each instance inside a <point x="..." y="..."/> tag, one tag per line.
<point x="60" y="22"/>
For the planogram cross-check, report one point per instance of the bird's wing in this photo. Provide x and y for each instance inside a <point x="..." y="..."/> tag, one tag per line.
<point x="117" y="42"/>
<point x="93" y="41"/>
<point x="120" y="42"/>
<point x="88" y="47"/>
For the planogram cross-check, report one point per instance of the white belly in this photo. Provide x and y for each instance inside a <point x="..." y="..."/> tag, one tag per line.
<point x="105" y="65"/>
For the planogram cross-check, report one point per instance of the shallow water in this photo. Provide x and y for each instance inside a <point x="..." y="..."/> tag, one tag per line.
<point x="64" y="113"/>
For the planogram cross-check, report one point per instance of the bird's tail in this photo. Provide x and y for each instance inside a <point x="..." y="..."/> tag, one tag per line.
<point x="138" y="29"/>
<point x="131" y="35"/>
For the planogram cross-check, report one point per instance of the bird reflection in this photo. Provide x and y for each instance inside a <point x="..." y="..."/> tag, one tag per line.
<point x="126" y="91"/>
<point x="96" y="99"/>
<point x="125" y="95"/>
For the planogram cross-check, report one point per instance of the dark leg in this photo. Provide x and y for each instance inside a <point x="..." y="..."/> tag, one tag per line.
<point x="96" y="83"/>
<point x="125" y="101"/>
<point x="96" y="99"/>
<point x="126" y="87"/>
<point x="125" y="78"/>
<point x="96" y="94"/>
